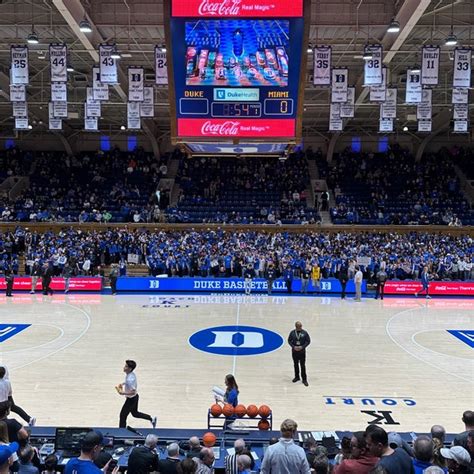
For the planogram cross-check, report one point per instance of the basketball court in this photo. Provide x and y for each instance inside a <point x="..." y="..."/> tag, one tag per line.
<point x="394" y="359"/>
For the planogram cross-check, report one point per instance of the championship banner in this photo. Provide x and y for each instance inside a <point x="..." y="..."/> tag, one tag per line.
<point x="424" y="126"/>
<point x="462" y="67"/>
<point x="322" y="66"/>
<point x="460" y="96"/>
<point x="147" y="107"/>
<point x="58" y="92"/>
<point x="58" y="62"/>
<point x="19" y="65"/>
<point x="339" y="85"/>
<point x="373" y="75"/>
<point x="423" y="109"/>
<point x="385" y="125"/>
<point x="335" y="121"/>
<point x="17" y="93"/>
<point x="54" y="123"/>
<point x="461" y="112"/>
<point x="99" y="91"/>
<point x="460" y="126"/>
<point x="60" y="109"/>
<point x="430" y="65"/>
<point x="92" y="110"/>
<point x="133" y="116"/>
<point x="413" y="88"/>
<point x="107" y="64"/>
<point x="21" y="123"/>
<point x="161" y="67"/>
<point x="378" y="93"/>
<point x="20" y="109"/>
<point x="347" y="108"/>
<point x="91" y="124"/>
<point x="135" y="84"/>
<point x="90" y="96"/>
<point x="388" y="109"/>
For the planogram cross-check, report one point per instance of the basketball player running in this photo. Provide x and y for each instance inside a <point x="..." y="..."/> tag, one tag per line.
<point x="129" y="390"/>
<point x="299" y="340"/>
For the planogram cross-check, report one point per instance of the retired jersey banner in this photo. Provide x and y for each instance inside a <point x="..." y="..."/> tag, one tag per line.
<point x="91" y="124"/>
<point x="378" y="93"/>
<point x="347" y="108"/>
<point x="424" y="109"/>
<point x="19" y="65"/>
<point x="388" y="109"/>
<point x="413" y="87"/>
<point x="135" y="84"/>
<point x="92" y="110"/>
<point x="21" y="123"/>
<point x="20" y="109"/>
<point x="161" y="67"/>
<point x="385" y="125"/>
<point x="335" y="121"/>
<point x="430" y="65"/>
<point x="58" y="62"/>
<point x="54" y="123"/>
<point x="462" y="67"/>
<point x="373" y="67"/>
<point x="460" y="126"/>
<point x="424" y="126"/>
<point x="17" y="93"/>
<point x="107" y="64"/>
<point x="339" y="84"/>
<point x="460" y="95"/>
<point x="322" y="66"/>
<point x="58" y="92"/>
<point x="461" y="112"/>
<point x="60" y="109"/>
<point x="147" y="107"/>
<point x="99" y="91"/>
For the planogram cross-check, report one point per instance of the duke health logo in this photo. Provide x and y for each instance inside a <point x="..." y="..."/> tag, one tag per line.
<point x="236" y="340"/>
<point x="9" y="330"/>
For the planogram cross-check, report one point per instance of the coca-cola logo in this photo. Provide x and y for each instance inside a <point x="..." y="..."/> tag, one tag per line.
<point x="221" y="129"/>
<point x="221" y="8"/>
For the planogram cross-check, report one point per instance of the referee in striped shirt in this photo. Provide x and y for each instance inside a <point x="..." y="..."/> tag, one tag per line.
<point x="230" y="461"/>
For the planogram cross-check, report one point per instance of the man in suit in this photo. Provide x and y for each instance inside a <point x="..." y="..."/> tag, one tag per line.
<point x="170" y="464"/>
<point x="46" y="277"/>
<point x="299" y="340"/>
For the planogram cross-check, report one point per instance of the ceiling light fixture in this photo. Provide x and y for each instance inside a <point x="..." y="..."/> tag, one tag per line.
<point x="122" y="127"/>
<point x="69" y="68"/>
<point x="451" y="39"/>
<point x="366" y="55"/>
<point x="85" y="26"/>
<point x="405" y="128"/>
<point x="115" y="54"/>
<point x="394" y="26"/>
<point x="32" y="37"/>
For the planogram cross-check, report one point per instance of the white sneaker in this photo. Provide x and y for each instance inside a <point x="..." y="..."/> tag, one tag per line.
<point x="428" y="297"/>
<point x="416" y="295"/>
<point x="153" y="422"/>
<point x="32" y="421"/>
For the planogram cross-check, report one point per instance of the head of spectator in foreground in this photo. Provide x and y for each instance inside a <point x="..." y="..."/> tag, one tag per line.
<point x="151" y="441"/>
<point x="194" y="442"/>
<point x="51" y="463"/>
<point x="173" y="450"/>
<point x="288" y="428"/>
<point x="239" y="445"/>
<point x="244" y="463"/>
<point x="458" y="458"/>
<point x="468" y="419"/>
<point x="186" y="466"/>
<point x="207" y="456"/>
<point x="423" y="448"/>
<point x="3" y="433"/>
<point x="438" y="431"/>
<point x="320" y="463"/>
<point x="6" y="451"/>
<point x="377" y="440"/>
<point x="92" y="445"/>
<point x="434" y="470"/>
<point x="358" y="445"/>
<point x="26" y="454"/>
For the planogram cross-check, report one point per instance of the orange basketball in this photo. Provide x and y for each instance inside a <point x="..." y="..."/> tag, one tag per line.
<point x="228" y="409"/>
<point x="240" y="411"/>
<point x="263" y="425"/>
<point x="252" y="411"/>
<point x="264" y="411"/>
<point x="209" y="439"/>
<point x="216" y="410"/>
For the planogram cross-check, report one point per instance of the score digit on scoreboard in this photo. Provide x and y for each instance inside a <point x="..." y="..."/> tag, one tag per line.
<point x="237" y="67"/>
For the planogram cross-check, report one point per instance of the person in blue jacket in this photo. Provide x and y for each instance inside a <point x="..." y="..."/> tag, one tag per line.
<point x="425" y="281"/>
<point x="231" y="390"/>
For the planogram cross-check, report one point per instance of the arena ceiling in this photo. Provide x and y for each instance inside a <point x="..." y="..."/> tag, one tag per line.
<point x="138" y="25"/>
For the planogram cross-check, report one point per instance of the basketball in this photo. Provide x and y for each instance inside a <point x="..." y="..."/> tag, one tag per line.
<point x="264" y="411"/>
<point x="252" y="411"/>
<point x="228" y="409"/>
<point x="263" y="425"/>
<point x="216" y="410"/>
<point x="240" y="411"/>
<point x="209" y="439"/>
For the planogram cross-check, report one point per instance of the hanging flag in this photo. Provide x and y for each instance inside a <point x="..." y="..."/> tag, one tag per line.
<point x="377" y="93"/>
<point x="58" y="92"/>
<point x="99" y="91"/>
<point x="91" y="124"/>
<point x="58" y="62"/>
<point x="161" y="67"/>
<point x="17" y="93"/>
<point x="135" y="84"/>
<point x="413" y="88"/>
<point x="335" y="121"/>
<point x="19" y="65"/>
<point x="386" y="125"/>
<point x="20" y="109"/>
<point x="339" y="84"/>
<point x="388" y="109"/>
<point x="373" y="67"/>
<point x="347" y="108"/>
<point x="147" y="107"/>
<point x="462" y="67"/>
<point x="424" y="126"/>
<point x="21" y="123"/>
<point x="107" y="64"/>
<point x="460" y="96"/>
<point x="92" y="110"/>
<point x="430" y="65"/>
<point x="424" y="109"/>
<point x="461" y="112"/>
<point x="460" y="126"/>
<point x="60" y="109"/>
<point x="322" y="66"/>
<point x="54" y="123"/>
<point x="133" y="115"/>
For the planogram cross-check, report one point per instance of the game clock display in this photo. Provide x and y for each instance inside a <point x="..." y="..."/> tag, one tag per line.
<point x="237" y="67"/>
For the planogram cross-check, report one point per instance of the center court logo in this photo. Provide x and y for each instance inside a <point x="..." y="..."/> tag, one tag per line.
<point x="236" y="340"/>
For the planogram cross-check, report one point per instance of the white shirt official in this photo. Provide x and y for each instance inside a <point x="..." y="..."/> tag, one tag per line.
<point x="130" y="384"/>
<point x="5" y="389"/>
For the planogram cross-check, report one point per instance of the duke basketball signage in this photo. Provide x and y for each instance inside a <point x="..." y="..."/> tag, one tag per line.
<point x="9" y="330"/>
<point x="236" y="340"/>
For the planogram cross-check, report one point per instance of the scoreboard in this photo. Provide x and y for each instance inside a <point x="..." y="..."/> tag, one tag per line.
<point x="236" y="69"/>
